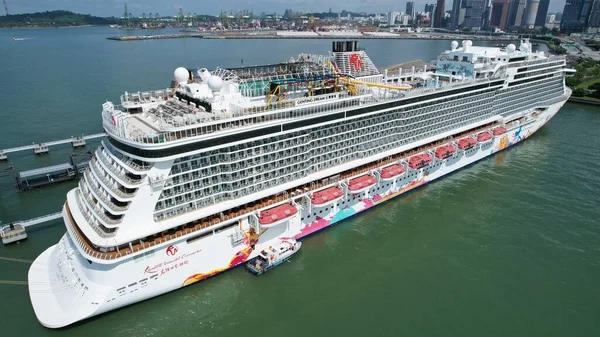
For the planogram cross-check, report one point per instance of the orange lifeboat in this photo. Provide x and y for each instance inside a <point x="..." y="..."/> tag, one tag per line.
<point x="499" y="131"/>
<point x="361" y="183"/>
<point x="276" y="215"/>
<point x="419" y="160"/>
<point x="391" y="172"/>
<point x="445" y="151"/>
<point x="484" y="137"/>
<point x="327" y="196"/>
<point x="466" y="143"/>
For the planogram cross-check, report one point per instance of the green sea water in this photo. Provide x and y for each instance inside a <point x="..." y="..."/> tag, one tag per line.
<point x="507" y="247"/>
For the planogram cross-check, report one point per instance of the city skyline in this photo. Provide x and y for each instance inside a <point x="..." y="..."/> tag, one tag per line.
<point x="213" y="7"/>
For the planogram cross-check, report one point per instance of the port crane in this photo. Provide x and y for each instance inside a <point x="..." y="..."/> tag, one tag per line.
<point x="5" y="7"/>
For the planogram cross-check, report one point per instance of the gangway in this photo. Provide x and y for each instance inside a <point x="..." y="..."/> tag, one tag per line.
<point x="40" y="219"/>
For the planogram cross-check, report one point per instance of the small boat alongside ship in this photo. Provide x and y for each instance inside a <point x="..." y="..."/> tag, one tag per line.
<point x="273" y="256"/>
<point x="13" y="232"/>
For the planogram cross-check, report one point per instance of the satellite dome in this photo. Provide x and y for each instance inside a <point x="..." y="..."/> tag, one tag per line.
<point x="454" y="45"/>
<point x="511" y="48"/>
<point x="181" y="75"/>
<point x="524" y="47"/>
<point x="469" y="43"/>
<point x="215" y="83"/>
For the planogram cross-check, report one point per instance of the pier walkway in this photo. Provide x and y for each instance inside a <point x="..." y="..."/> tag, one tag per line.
<point x="43" y="147"/>
<point x="40" y="219"/>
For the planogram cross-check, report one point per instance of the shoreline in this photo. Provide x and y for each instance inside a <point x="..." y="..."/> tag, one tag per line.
<point x="59" y="27"/>
<point x="581" y="100"/>
<point x="212" y="36"/>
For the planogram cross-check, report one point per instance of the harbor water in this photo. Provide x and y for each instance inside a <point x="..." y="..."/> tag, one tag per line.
<point x="509" y="246"/>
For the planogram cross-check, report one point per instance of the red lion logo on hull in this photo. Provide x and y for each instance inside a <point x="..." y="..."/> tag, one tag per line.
<point x="171" y="250"/>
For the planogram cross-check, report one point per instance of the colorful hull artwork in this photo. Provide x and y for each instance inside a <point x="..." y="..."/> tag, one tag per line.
<point x="240" y="257"/>
<point x="513" y="136"/>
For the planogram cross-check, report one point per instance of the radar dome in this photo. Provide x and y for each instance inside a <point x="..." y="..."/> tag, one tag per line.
<point x="454" y="45"/>
<point x="469" y="43"/>
<point x="524" y="47"/>
<point x="215" y="83"/>
<point x="181" y="75"/>
<point x="511" y="48"/>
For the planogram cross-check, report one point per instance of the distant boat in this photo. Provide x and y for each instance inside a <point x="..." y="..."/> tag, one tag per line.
<point x="19" y="38"/>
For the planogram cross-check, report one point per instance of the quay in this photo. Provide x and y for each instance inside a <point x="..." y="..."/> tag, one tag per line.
<point x="153" y="37"/>
<point x="42" y="148"/>
<point x="317" y="35"/>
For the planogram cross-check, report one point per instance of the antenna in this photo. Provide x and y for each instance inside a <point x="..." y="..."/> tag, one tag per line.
<point x="5" y="7"/>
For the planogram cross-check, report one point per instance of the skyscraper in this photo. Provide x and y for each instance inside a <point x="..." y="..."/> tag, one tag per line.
<point x="392" y="18"/>
<point x="474" y="10"/>
<point x="540" y="19"/>
<point x="455" y="14"/>
<point x="439" y="14"/>
<point x="486" y="14"/>
<point x="515" y="14"/>
<point x="429" y="9"/>
<point x="575" y="15"/>
<point x="410" y="9"/>
<point x="499" y="13"/>
<point x="530" y="13"/>
<point x="593" y="25"/>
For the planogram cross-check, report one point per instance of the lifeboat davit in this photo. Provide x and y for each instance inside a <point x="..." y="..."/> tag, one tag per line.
<point x="276" y="215"/>
<point x="327" y="196"/>
<point x="466" y="143"/>
<point x="361" y="183"/>
<point x="419" y="160"/>
<point x="484" y="137"/>
<point x="445" y="151"/>
<point x="391" y="172"/>
<point x="499" y="131"/>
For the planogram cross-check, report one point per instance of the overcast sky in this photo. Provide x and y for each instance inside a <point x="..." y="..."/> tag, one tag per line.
<point x="167" y="7"/>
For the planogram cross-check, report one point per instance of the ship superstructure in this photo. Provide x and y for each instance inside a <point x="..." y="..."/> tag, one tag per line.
<point x="197" y="178"/>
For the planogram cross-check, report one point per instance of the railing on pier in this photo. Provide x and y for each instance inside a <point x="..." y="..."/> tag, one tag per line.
<point x="40" y="219"/>
<point x="43" y="147"/>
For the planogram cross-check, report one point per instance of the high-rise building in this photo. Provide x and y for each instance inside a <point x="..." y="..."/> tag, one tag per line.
<point x="575" y="15"/>
<point x="516" y="12"/>
<point x="558" y="16"/>
<point x="410" y="9"/>
<point x="392" y="18"/>
<point x="439" y="14"/>
<point x="530" y="13"/>
<point x="429" y="9"/>
<point x="486" y="14"/>
<point x="540" y="19"/>
<point x="454" y="17"/>
<point x="593" y="25"/>
<point x="474" y="12"/>
<point x="499" y="13"/>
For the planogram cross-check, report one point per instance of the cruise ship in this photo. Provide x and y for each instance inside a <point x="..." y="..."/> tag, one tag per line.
<point x="198" y="178"/>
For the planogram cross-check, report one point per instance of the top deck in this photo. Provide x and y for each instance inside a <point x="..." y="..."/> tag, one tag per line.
<point x="238" y="98"/>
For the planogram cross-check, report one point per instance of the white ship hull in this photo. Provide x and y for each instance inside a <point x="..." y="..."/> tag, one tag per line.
<point x="66" y="288"/>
